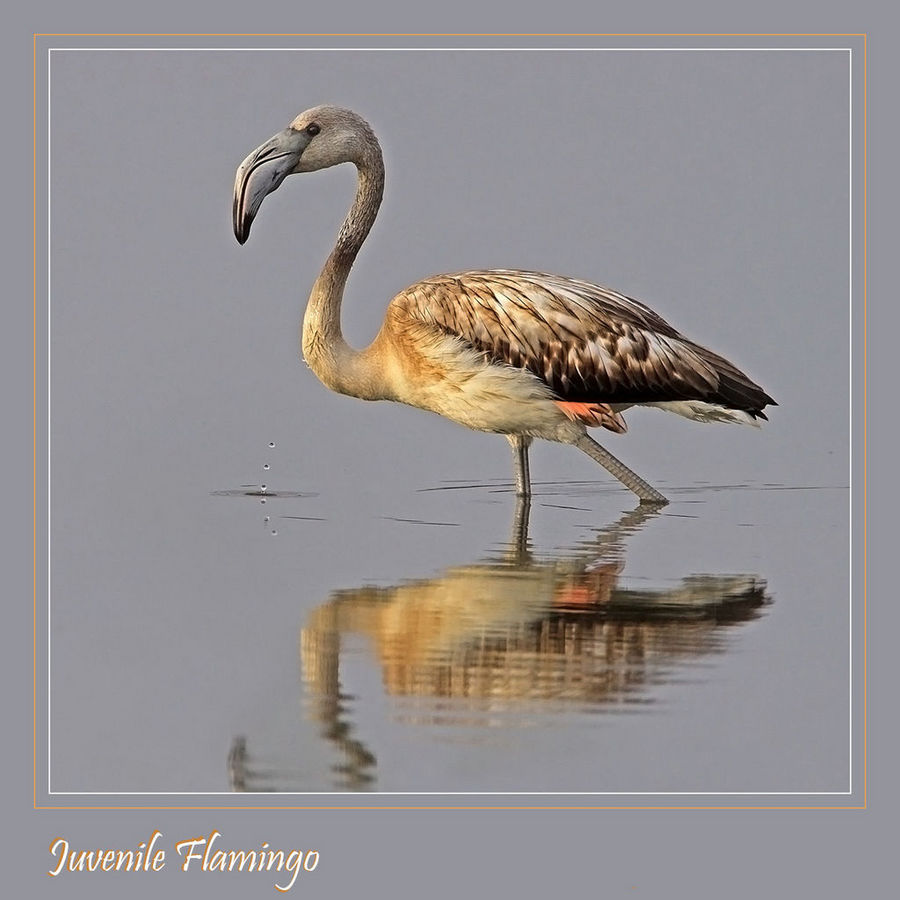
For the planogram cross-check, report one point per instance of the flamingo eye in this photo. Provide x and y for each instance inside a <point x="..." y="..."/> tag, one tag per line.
<point x="312" y="130"/>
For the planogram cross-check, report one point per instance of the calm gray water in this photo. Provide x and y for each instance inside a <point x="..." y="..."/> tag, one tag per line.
<point x="404" y="640"/>
<point x="376" y="624"/>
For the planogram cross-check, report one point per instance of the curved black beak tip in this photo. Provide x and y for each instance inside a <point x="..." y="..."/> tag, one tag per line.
<point x="240" y="222"/>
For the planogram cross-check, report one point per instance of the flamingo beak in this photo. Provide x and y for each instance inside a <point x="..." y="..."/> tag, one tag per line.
<point x="262" y="172"/>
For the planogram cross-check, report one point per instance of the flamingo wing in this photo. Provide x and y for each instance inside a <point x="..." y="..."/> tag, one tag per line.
<point x="589" y="344"/>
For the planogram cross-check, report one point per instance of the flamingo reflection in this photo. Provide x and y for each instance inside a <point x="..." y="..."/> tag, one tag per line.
<point x="512" y="638"/>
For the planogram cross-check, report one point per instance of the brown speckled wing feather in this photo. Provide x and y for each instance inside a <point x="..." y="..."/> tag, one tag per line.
<point x="588" y="343"/>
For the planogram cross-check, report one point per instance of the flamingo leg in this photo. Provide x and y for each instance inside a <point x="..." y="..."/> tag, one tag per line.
<point x="520" y="444"/>
<point x="630" y="479"/>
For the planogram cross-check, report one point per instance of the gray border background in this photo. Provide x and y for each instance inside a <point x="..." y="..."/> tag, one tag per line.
<point x="684" y="853"/>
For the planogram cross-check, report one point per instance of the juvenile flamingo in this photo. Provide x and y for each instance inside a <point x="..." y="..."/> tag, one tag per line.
<point x="523" y="354"/>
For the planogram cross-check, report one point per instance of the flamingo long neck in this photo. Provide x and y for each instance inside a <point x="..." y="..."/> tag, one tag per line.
<point x="334" y="362"/>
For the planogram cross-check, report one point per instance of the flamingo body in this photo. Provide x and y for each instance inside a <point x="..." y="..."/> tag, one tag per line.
<point x="524" y="354"/>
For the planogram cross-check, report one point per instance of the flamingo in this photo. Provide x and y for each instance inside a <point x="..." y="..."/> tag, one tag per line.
<point x="519" y="353"/>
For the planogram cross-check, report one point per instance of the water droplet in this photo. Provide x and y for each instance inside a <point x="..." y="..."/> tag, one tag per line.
<point x="266" y="519"/>
<point x="274" y="531"/>
<point x="266" y="467"/>
<point x="262" y="487"/>
<point x="271" y="444"/>
<point x="263" y="500"/>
